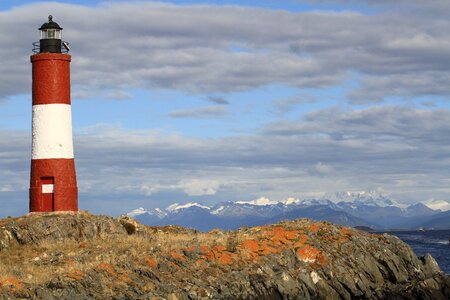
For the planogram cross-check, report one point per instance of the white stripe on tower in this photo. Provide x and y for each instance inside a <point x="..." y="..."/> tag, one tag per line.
<point x="52" y="131"/>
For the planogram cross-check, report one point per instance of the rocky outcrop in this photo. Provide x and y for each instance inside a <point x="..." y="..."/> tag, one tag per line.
<point x="82" y="256"/>
<point x="56" y="227"/>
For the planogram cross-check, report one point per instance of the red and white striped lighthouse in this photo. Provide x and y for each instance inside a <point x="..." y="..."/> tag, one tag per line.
<point x="53" y="184"/>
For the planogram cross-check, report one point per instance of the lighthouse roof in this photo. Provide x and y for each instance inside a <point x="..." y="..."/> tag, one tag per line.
<point x="50" y="24"/>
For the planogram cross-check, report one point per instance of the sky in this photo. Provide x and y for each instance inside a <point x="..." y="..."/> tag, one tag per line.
<point x="210" y="101"/>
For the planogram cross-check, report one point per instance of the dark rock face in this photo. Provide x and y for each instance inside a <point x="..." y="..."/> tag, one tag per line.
<point x="83" y="256"/>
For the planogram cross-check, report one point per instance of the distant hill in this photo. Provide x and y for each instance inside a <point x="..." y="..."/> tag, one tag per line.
<point x="318" y="213"/>
<point x="438" y="221"/>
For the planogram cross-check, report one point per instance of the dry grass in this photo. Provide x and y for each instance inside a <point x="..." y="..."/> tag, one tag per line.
<point x="38" y="264"/>
<point x="32" y="263"/>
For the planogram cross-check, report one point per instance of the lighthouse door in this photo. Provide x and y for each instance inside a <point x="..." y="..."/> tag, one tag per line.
<point x="48" y="186"/>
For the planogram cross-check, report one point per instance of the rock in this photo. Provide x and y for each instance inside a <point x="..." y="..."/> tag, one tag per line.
<point x="131" y="226"/>
<point x="83" y="256"/>
<point x="44" y="294"/>
<point x="429" y="265"/>
<point x="37" y="227"/>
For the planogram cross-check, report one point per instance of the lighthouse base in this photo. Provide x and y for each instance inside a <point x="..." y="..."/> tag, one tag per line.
<point x="46" y="202"/>
<point x="53" y="185"/>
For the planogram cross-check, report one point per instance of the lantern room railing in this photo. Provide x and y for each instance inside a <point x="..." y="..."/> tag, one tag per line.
<point x="37" y="47"/>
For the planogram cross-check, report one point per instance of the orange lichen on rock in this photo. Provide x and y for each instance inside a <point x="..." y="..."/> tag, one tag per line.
<point x="346" y="231"/>
<point x="266" y="249"/>
<point x="225" y="258"/>
<point x="343" y="239"/>
<point x="302" y="238"/>
<point x="314" y="227"/>
<point x="296" y="260"/>
<point x="121" y="276"/>
<point x="12" y="282"/>
<point x="152" y="263"/>
<point x="176" y="255"/>
<point x="218" y="248"/>
<point x="278" y="235"/>
<point x="307" y="253"/>
<point x="328" y="238"/>
<point x="346" y="234"/>
<point x="108" y="268"/>
<point x="201" y="263"/>
<point x="322" y="259"/>
<point x="207" y="253"/>
<point x="217" y="253"/>
<point x="251" y="245"/>
<point x="190" y="249"/>
<point x="75" y="275"/>
<point x="291" y="235"/>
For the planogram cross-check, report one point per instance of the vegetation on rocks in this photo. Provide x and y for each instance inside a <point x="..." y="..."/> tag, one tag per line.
<point x="83" y="256"/>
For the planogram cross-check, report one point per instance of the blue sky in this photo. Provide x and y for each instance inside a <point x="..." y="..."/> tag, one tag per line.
<point x="214" y="101"/>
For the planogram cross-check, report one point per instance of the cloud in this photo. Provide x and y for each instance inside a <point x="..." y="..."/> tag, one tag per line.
<point x="191" y="48"/>
<point x="199" y="187"/>
<point x="375" y="125"/>
<point x="402" y="150"/>
<point x="149" y="190"/>
<point x="118" y="95"/>
<point x="6" y="188"/>
<point x="438" y="204"/>
<point x="286" y="105"/>
<point x="321" y="169"/>
<point x="202" y="112"/>
<point x="218" y="100"/>
<point x="216" y="50"/>
<point x="428" y="4"/>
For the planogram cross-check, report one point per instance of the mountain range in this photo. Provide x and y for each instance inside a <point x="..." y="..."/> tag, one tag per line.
<point x="365" y="209"/>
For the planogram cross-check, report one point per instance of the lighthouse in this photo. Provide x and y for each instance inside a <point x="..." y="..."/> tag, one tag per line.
<point x="53" y="184"/>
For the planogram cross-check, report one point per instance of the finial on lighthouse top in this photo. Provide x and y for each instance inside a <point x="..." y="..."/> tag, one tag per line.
<point x="50" y="24"/>
<point x="50" y="40"/>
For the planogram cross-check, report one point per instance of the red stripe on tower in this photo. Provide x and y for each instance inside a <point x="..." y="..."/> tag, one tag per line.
<point x="53" y="184"/>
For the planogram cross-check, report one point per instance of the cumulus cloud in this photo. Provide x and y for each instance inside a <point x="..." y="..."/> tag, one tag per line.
<point x="199" y="187"/>
<point x="193" y="48"/>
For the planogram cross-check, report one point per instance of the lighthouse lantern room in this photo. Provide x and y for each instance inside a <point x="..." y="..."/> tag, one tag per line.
<point x="51" y="34"/>
<point x="53" y="185"/>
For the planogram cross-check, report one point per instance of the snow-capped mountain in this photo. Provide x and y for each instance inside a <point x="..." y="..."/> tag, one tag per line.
<point x="137" y="212"/>
<point x="371" y="198"/>
<point x="152" y="211"/>
<point x="351" y="209"/>
<point x="178" y="207"/>
<point x="260" y="202"/>
<point x="243" y="209"/>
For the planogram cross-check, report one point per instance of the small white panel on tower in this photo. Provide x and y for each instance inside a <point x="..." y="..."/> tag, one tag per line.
<point x="52" y="131"/>
<point x="48" y="188"/>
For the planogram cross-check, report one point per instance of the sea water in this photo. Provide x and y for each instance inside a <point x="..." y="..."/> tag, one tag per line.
<point x="435" y="242"/>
